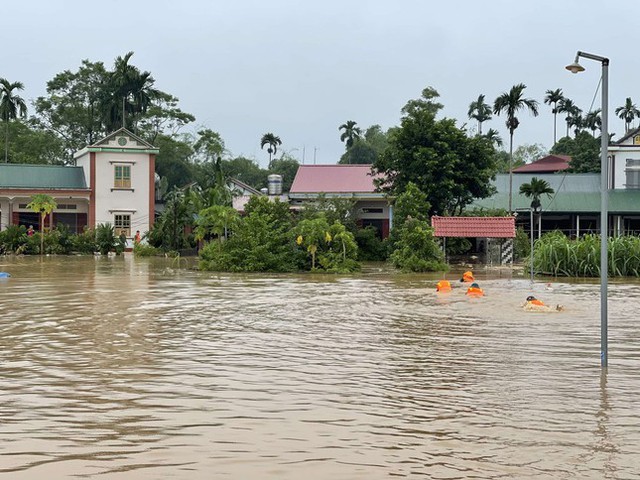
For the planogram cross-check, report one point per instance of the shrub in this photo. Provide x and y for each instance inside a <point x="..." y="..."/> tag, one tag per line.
<point x="370" y="246"/>
<point x="416" y="249"/>
<point x="145" y="250"/>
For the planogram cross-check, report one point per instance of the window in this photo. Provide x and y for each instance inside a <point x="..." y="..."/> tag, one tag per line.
<point x="122" y="223"/>
<point x="122" y="176"/>
<point x="633" y="173"/>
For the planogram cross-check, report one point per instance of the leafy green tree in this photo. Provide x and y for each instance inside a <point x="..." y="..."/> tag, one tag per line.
<point x="72" y="107"/>
<point x="174" y="161"/>
<point x="493" y="136"/>
<point x="12" y="106"/>
<point x="510" y="103"/>
<point x="528" y="152"/>
<point x="366" y="148"/>
<point x="105" y="238"/>
<point x="209" y="145"/>
<point x="162" y="116"/>
<point x="584" y="151"/>
<point x="577" y="121"/>
<point x="480" y="111"/>
<point x="416" y="249"/>
<point x="425" y="104"/>
<point x="170" y="230"/>
<point x="628" y="112"/>
<point x="553" y="97"/>
<point x="340" y="210"/>
<point x="215" y="222"/>
<point x="448" y="166"/>
<point x="247" y="171"/>
<point x="30" y="143"/>
<point x="273" y="142"/>
<point x="44" y="205"/>
<point x="350" y="132"/>
<point x="311" y="233"/>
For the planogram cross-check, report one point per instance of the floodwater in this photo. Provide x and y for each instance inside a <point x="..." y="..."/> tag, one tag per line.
<point x="123" y="368"/>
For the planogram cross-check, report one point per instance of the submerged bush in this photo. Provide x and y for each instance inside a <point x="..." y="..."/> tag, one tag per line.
<point x="416" y="249"/>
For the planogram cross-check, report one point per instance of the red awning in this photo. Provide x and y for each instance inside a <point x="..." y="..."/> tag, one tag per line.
<point x="474" y="227"/>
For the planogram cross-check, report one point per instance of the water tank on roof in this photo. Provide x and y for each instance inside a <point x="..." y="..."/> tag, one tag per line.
<point x="274" y="182"/>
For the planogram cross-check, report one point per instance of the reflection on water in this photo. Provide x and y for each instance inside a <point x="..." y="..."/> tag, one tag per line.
<point x="138" y="369"/>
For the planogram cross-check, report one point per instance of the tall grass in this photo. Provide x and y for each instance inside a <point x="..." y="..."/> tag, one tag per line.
<point x="555" y="254"/>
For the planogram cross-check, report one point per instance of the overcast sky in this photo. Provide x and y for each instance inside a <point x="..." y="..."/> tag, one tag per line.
<point x="301" y="68"/>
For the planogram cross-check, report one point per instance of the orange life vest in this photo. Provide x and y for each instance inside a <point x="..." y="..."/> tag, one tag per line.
<point x="535" y="301"/>
<point x="443" y="286"/>
<point x="467" y="277"/>
<point x="475" y="292"/>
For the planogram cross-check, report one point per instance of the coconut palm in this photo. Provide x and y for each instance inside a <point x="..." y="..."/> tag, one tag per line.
<point x="567" y="106"/>
<point x="628" y="112"/>
<point x="493" y="136"/>
<point x="479" y="111"/>
<point x="577" y="121"/>
<point x="552" y="98"/>
<point x="12" y="106"/>
<point x="350" y="134"/>
<point x="273" y="142"/>
<point x="534" y="190"/>
<point x="593" y="121"/>
<point x="509" y="103"/>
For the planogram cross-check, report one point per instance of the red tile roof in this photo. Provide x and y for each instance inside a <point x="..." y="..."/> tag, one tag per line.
<point x="548" y="164"/>
<point x="483" y="227"/>
<point x="333" y="179"/>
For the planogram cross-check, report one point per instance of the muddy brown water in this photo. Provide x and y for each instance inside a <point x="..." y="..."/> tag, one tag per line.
<point x="123" y="368"/>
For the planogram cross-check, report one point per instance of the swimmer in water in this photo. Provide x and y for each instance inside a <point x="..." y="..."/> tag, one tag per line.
<point x="475" y="291"/>
<point x="443" y="286"/>
<point x="467" y="277"/>
<point x="532" y="304"/>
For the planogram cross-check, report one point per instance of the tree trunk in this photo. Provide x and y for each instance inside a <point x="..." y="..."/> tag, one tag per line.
<point x="6" y="141"/>
<point x="555" y="127"/>
<point x="42" y="217"/>
<point x="510" y="169"/>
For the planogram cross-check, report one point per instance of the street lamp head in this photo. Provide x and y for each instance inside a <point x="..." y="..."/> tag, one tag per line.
<point x="575" y="67"/>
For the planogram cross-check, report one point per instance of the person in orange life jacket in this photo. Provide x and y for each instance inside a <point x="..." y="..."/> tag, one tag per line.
<point x="475" y="291"/>
<point x="531" y="300"/>
<point x="443" y="286"/>
<point x="467" y="277"/>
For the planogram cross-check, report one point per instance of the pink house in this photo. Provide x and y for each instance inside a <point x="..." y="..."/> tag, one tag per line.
<point x="344" y="181"/>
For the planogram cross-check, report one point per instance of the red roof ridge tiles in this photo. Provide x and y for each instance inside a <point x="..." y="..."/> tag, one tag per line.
<point x="474" y="227"/>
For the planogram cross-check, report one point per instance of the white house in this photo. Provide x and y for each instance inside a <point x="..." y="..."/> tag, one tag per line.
<point x="624" y="158"/>
<point x="119" y="171"/>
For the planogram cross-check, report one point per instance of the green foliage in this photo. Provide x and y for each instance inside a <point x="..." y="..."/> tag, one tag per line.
<point x="215" y="222"/>
<point x="458" y="246"/>
<point x="412" y="203"/>
<point x="527" y="153"/>
<point x="174" y="161"/>
<point x="145" y="250"/>
<point x="246" y="171"/>
<point x="85" y="242"/>
<point x="584" y="151"/>
<point x="29" y="143"/>
<point x="416" y="249"/>
<point x="555" y="254"/>
<point x="106" y="240"/>
<point x="333" y="245"/>
<point x="169" y="232"/>
<point x="13" y="238"/>
<point x="521" y="244"/>
<point x="366" y="148"/>
<point x="451" y="168"/>
<point x="209" y="145"/>
<point x="261" y="241"/>
<point x="370" y="246"/>
<point x="59" y="241"/>
<point x="535" y="189"/>
<point x="340" y="210"/>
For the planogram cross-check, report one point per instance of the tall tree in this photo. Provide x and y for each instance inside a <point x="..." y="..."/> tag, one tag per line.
<point x="510" y="103"/>
<point x="479" y="111"/>
<point x="577" y="121"/>
<point x="273" y="142"/>
<point x="553" y="97"/>
<point x="12" y="106"/>
<point x="350" y="134"/>
<point x="450" y="167"/>
<point x="567" y="106"/>
<point x="494" y="137"/>
<point x="584" y="151"/>
<point x="628" y="112"/>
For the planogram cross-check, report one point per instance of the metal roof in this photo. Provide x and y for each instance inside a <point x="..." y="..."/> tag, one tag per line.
<point x="54" y="177"/>
<point x="574" y="193"/>
<point x="548" y="164"/>
<point x="333" y="179"/>
<point x="474" y="227"/>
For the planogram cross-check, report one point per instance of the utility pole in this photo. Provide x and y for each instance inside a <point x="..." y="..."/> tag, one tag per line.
<point x="315" y="149"/>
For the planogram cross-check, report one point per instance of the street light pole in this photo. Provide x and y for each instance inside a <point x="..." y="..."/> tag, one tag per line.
<point x="575" y="67"/>
<point x="531" y="235"/>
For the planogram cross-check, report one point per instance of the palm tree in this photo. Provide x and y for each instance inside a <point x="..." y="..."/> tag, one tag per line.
<point x="493" y="136"/>
<point x="273" y="141"/>
<point x="567" y="106"/>
<point x="130" y="92"/>
<point x="351" y="132"/>
<point x="577" y="121"/>
<point x="593" y="121"/>
<point x="44" y="205"/>
<point x="480" y="111"/>
<point x="534" y="190"/>
<point x="509" y="103"/>
<point x="628" y="112"/>
<point x="12" y="106"/>
<point x="552" y="98"/>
